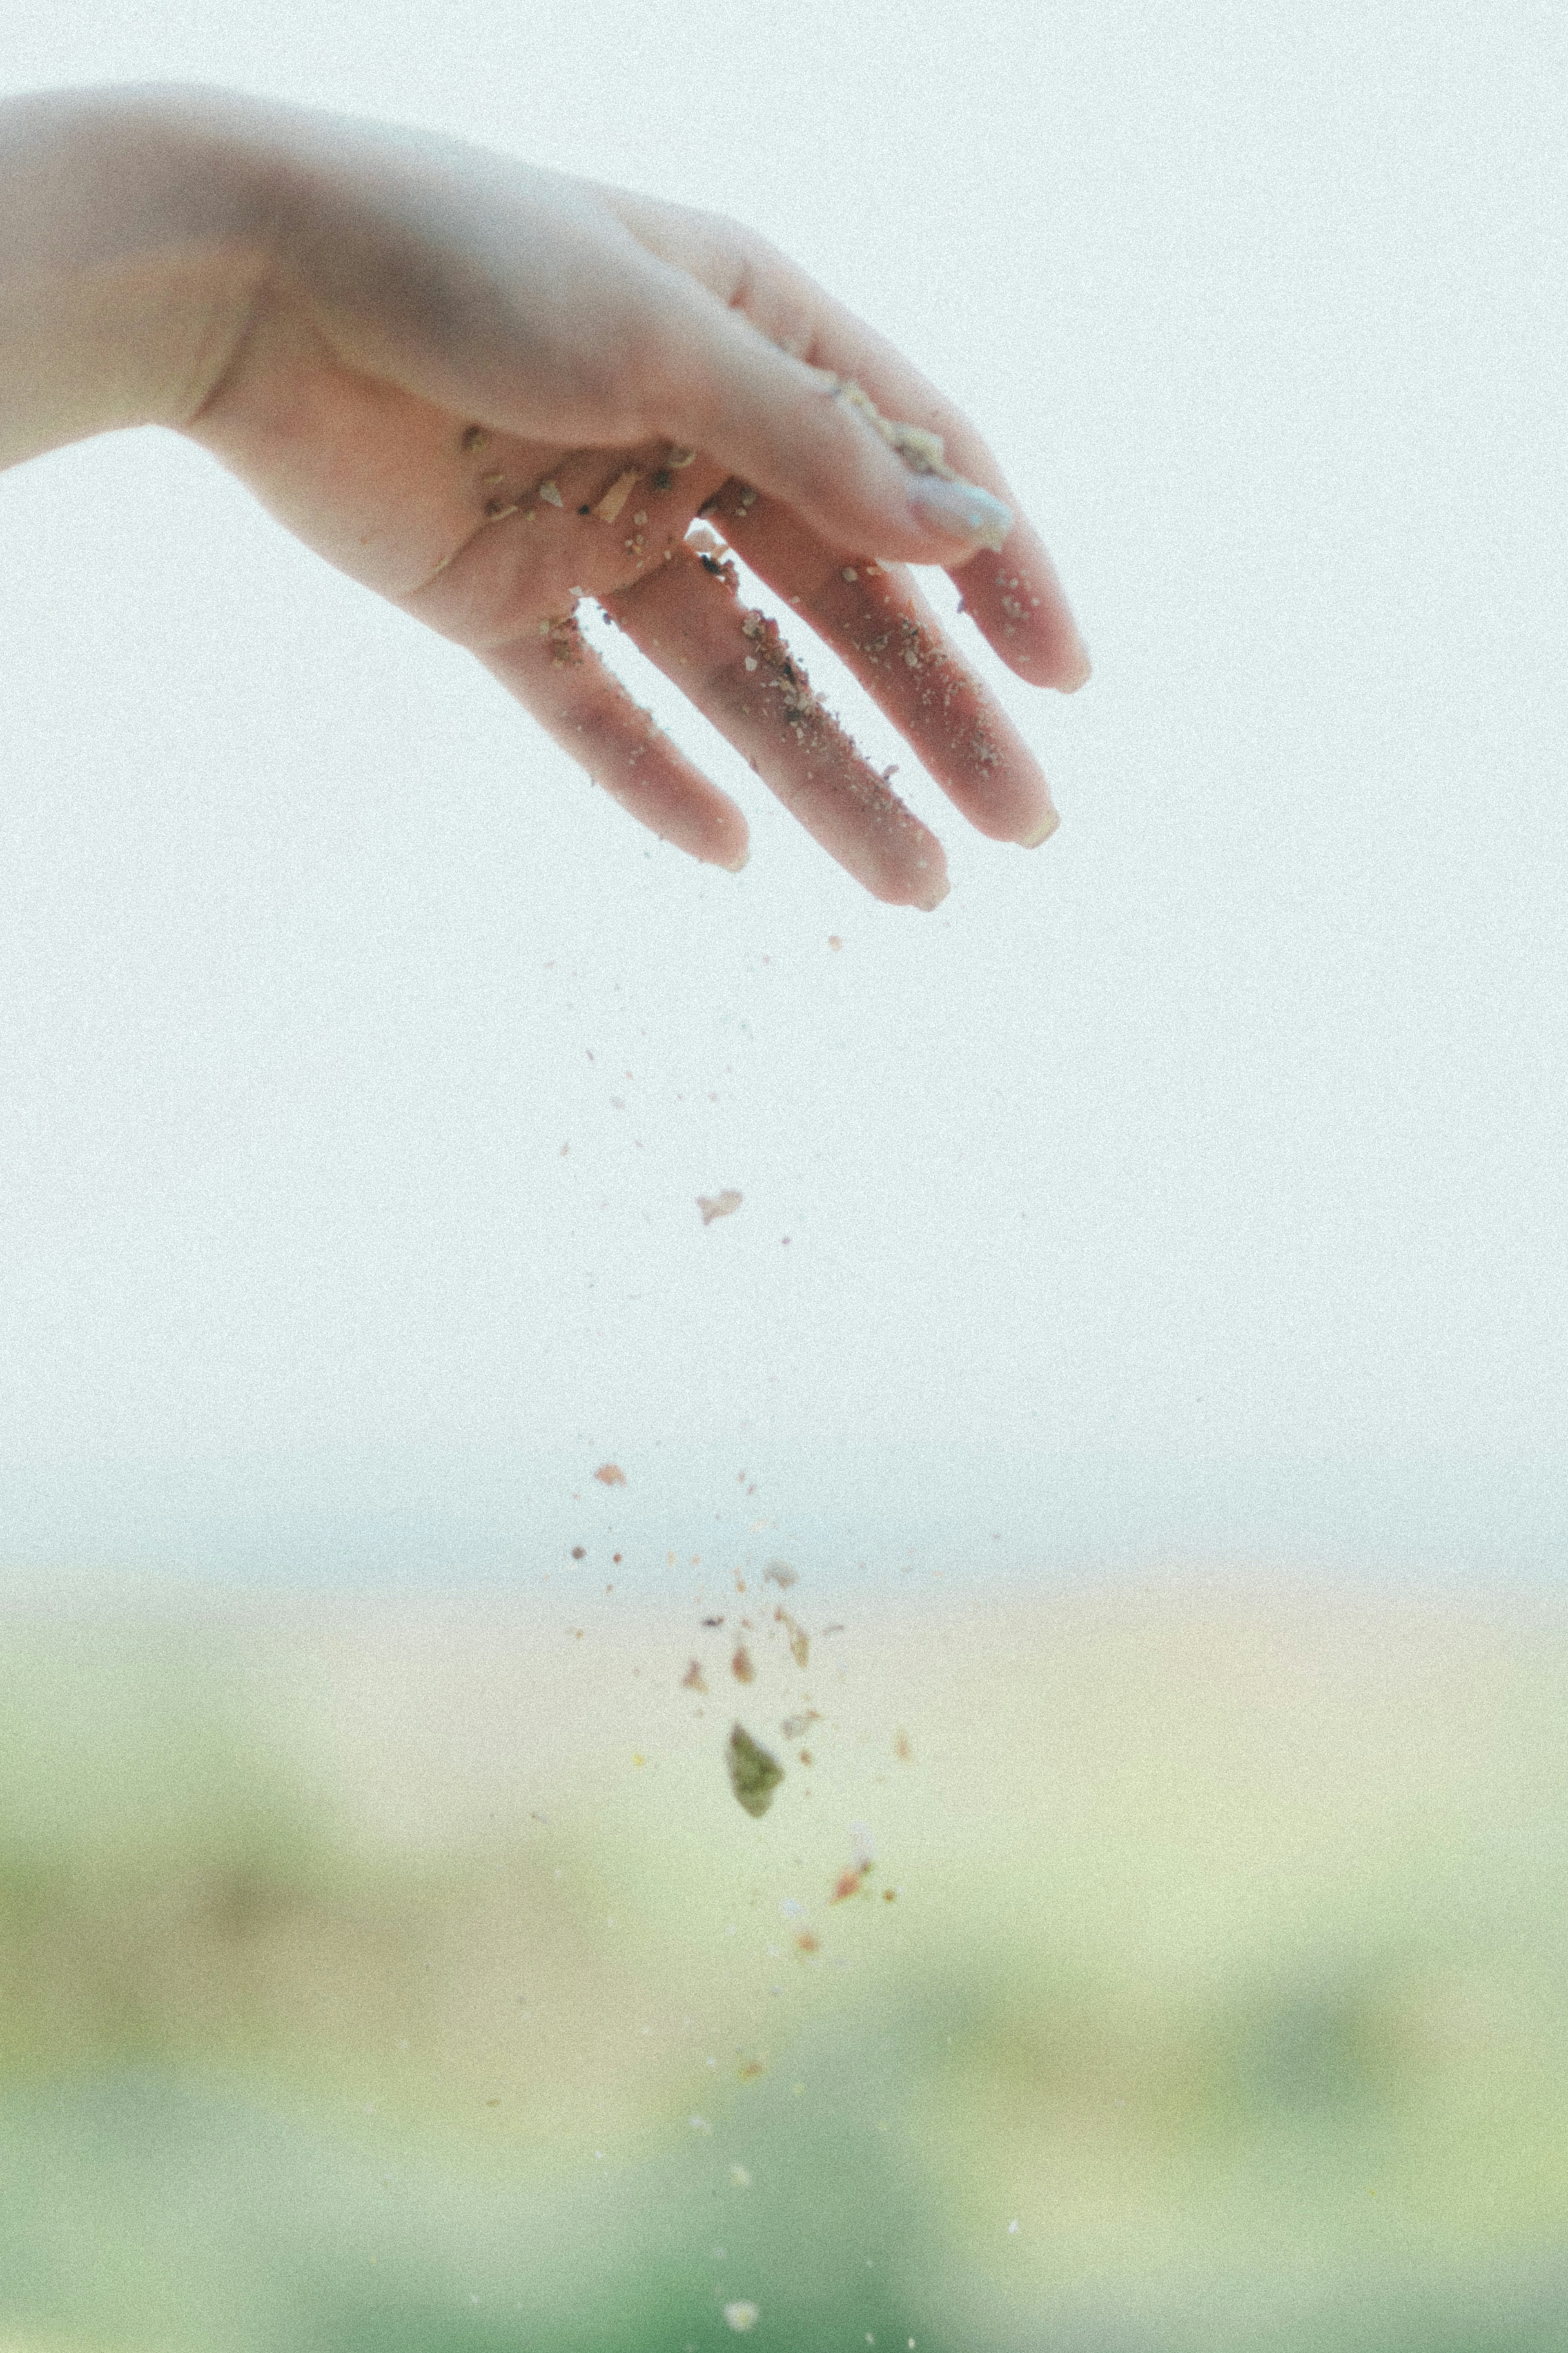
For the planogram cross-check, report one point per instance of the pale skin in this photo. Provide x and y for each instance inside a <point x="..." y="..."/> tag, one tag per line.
<point x="427" y="360"/>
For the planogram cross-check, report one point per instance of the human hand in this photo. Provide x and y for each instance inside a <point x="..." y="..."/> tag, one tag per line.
<point x="487" y="391"/>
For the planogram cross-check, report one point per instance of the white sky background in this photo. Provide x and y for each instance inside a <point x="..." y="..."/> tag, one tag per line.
<point x="1171" y="1182"/>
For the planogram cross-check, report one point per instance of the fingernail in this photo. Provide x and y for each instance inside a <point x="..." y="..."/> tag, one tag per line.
<point x="1080" y="673"/>
<point x="1043" y="832"/>
<point x="960" y="510"/>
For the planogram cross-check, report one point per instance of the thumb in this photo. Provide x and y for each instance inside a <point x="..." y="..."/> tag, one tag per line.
<point x="813" y="441"/>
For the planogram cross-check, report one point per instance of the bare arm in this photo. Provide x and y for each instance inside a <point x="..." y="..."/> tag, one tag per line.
<point x="130" y="255"/>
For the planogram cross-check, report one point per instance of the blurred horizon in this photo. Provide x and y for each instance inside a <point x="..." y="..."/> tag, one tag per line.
<point x="411" y="1513"/>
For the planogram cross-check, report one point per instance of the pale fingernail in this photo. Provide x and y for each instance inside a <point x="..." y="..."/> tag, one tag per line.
<point x="1042" y="832"/>
<point x="1080" y="671"/>
<point x="960" y="510"/>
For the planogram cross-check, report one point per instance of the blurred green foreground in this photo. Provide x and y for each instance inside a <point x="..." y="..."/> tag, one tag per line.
<point x="393" y="1976"/>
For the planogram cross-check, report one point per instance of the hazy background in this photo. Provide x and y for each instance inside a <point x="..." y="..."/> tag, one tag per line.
<point x="1160" y="1395"/>
<point x="404" y="1978"/>
<point x="1193" y="1185"/>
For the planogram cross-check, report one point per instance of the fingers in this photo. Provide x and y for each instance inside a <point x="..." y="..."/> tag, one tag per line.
<point x="809" y="423"/>
<point x="1014" y="595"/>
<point x="688" y="619"/>
<point x="581" y="702"/>
<point x="882" y="628"/>
<point x="558" y="540"/>
<point x="733" y="665"/>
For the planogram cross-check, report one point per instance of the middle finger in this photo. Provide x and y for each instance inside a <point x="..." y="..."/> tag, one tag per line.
<point x="733" y="664"/>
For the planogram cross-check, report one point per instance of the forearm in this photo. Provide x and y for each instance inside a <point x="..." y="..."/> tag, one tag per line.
<point x="131" y="243"/>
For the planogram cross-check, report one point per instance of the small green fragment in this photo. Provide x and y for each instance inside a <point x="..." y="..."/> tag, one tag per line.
<point x="754" y="1774"/>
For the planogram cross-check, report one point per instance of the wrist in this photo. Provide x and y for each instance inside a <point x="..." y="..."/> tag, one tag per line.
<point x="135" y="245"/>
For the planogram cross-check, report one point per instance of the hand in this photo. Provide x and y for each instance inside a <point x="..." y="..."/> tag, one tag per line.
<point x="487" y="391"/>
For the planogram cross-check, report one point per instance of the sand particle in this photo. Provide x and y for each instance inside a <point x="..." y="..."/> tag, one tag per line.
<point x="799" y="1639"/>
<point x="921" y="452"/>
<point x="754" y="1773"/>
<point x="616" y="496"/>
